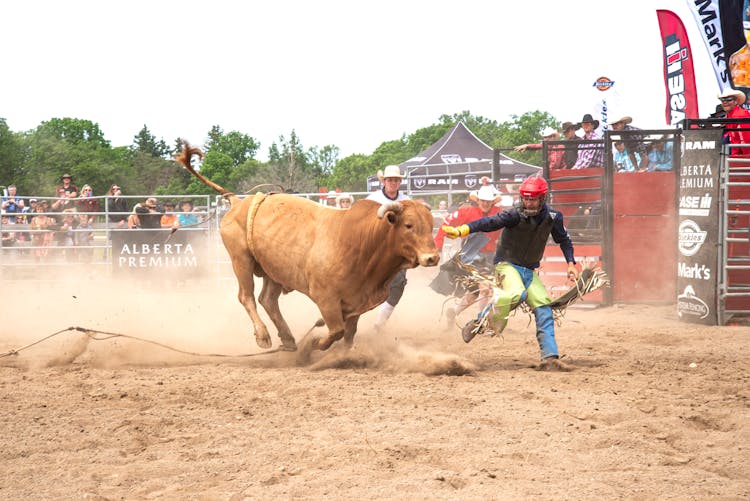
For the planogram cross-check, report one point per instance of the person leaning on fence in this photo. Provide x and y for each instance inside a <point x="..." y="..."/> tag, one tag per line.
<point x="634" y="143"/>
<point x="344" y="201"/>
<point x="186" y="215"/>
<point x="555" y="153"/>
<point x="570" y="157"/>
<point x="660" y="158"/>
<point x="86" y="202"/>
<point x="732" y="101"/>
<point x="590" y="154"/>
<point x="12" y="203"/>
<point x="117" y="206"/>
<point x="146" y="215"/>
<point x="169" y="219"/>
<point x="41" y="237"/>
<point x="526" y="228"/>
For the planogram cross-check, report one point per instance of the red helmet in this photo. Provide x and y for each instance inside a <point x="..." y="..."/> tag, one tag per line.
<point x="533" y="187"/>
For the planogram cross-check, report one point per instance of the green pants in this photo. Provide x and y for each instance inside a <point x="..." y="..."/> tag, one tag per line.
<point x="518" y="284"/>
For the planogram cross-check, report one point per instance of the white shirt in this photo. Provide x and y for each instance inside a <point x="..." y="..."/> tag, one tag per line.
<point x="380" y="197"/>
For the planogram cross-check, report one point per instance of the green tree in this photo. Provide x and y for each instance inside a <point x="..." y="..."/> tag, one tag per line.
<point x="146" y="143"/>
<point x="11" y="158"/>
<point x="237" y="146"/>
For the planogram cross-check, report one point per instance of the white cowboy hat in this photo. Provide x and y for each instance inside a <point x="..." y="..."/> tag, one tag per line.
<point x="736" y="93"/>
<point x="626" y="120"/>
<point x="389" y="171"/>
<point x="487" y="193"/>
<point x="549" y="131"/>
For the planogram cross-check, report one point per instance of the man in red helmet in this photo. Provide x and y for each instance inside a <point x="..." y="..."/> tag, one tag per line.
<point x="526" y="228"/>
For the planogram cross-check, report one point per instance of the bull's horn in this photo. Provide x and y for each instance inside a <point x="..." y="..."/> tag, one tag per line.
<point x="394" y="207"/>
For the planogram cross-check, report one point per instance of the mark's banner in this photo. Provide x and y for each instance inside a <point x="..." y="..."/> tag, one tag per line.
<point x="679" y="76"/>
<point x="698" y="228"/>
<point x="184" y="254"/>
<point x="725" y="28"/>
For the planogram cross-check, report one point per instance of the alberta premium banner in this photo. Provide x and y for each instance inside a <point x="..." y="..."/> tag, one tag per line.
<point x="698" y="227"/>
<point x="182" y="254"/>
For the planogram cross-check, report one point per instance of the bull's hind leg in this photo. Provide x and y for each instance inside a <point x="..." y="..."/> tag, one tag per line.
<point x="243" y="265"/>
<point x="269" y="299"/>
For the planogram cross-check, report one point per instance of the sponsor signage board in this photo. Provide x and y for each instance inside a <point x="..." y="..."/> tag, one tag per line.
<point x="698" y="226"/>
<point x="183" y="254"/>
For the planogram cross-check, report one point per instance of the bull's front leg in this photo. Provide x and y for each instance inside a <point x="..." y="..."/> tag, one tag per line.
<point x="334" y="319"/>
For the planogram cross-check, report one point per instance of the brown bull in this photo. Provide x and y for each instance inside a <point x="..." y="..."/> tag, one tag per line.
<point x="341" y="259"/>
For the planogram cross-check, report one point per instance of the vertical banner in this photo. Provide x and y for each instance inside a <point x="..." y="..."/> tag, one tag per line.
<point x="725" y="28"/>
<point x="679" y="76"/>
<point x="698" y="227"/>
<point x="601" y="107"/>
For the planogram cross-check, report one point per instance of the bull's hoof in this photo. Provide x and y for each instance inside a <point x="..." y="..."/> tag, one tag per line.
<point x="322" y="343"/>
<point x="264" y="341"/>
<point x="288" y="345"/>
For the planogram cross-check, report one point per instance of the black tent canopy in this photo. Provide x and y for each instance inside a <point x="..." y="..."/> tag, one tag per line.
<point x="456" y="162"/>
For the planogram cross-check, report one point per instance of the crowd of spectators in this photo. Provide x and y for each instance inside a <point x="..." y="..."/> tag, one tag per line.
<point x="68" y="219"/>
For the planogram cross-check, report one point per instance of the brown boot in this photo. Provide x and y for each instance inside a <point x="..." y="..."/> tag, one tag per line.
<point x="553" y="364"/>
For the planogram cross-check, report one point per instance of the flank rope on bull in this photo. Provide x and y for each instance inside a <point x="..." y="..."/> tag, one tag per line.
<point x="97" y="335"/>
<point x="254" y="205"/>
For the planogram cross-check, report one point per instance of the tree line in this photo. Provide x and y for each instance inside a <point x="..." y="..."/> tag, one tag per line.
<point x="35" y="160"/>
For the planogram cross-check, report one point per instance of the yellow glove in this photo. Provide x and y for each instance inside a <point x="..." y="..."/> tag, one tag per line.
<point x="572" y="272"/>
<point x="452" y="232"/>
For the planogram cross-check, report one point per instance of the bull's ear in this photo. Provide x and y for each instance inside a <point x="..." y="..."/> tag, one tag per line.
<point x="391" y="217"/>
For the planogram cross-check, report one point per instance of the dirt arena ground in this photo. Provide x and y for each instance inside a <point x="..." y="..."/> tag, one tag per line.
<point x="653" y="408"/>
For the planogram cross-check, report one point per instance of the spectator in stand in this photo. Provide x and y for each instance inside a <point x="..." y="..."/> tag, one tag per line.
<point x="571" y="150"/>
<point x="84" y="237"/>
<point x="117" y="206"/>
<point x="634" y="143"/>
<point x="555" y="152"/>
<point x="148" y="215"/>
<point x="186" y="215"/>
<point x="12" y="203"/>
<point x="732" y="101"/>
<point x="67" y="191"/>
<point x="442" y="205"/>
<point x="87" y="202"/>
<point x="331" y="198"/>
<point x="59" y="204"/>
<point x="65" y="233"/>
<point x="169" y="219"/>
<point x="41" y="237"/>
<point x="622" y="159"/>
<point x="660" y="158"/>
<point x="344" y="201"/>
<point x="590" y="154"/>
<point x="8" y="237"/>
<point x="487" y="198"/>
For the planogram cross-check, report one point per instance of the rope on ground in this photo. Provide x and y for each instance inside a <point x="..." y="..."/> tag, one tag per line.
<point x="98" y="335"/>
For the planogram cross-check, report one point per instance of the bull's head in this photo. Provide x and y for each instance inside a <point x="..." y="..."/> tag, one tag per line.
<point x="412" y="232"/>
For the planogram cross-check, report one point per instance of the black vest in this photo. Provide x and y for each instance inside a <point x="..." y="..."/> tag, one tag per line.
<point x="524" y="243"/>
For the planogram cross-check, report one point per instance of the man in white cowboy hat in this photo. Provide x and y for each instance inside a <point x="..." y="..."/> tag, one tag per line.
<point x="555" y="153"/>
<point x="731" y="102"/>
<point x="590" y="154"/>
<point x="391" y="179"/>
<point x="633" y="143"/>
<point x="344" y="201"/>
<point x="487" y="198"/>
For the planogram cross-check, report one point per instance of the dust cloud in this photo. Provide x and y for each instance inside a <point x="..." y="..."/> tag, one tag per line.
<point x="82" y="317"/>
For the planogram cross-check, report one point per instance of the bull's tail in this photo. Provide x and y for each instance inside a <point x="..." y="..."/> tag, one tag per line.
<point x="184" y="158"/>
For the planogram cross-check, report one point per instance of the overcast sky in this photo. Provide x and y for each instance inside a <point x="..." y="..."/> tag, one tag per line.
<point x="348" y="73"/>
